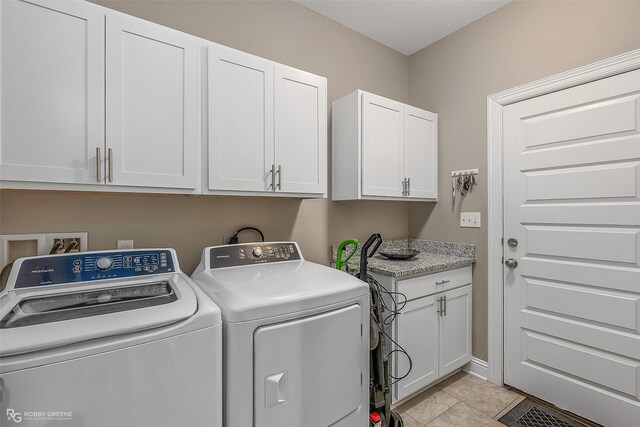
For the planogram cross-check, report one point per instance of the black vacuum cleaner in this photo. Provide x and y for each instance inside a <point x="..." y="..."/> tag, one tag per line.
<point x="380" y="412"/>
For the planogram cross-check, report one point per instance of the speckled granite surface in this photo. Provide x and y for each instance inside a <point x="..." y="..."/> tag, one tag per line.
<point x="434" y="256"/>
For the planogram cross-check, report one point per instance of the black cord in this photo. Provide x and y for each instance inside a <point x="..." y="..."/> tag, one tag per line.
<point x="394" y="307"/>
<point x="234" y="239"/>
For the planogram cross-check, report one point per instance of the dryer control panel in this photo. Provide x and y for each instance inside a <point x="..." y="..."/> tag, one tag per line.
<point x="253" y="253"/>
<point x="87" y="266"/>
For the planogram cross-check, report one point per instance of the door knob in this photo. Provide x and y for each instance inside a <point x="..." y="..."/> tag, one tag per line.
<point x="513" y="243"/>
<point x="511" y="263"/>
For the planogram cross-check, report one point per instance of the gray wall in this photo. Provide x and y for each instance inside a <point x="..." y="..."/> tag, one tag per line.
<point x="519" y="43"/>
<point x="282" y="31"/>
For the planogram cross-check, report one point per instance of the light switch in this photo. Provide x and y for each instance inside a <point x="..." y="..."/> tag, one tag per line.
<point x="470" y="219"/>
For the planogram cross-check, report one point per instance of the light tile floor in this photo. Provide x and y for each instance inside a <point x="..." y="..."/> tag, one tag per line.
<point x="460" y="400"/>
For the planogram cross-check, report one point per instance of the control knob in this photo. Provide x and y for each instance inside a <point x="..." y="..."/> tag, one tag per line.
<point x="257" y="252"/>
<point x="104" y="263"/>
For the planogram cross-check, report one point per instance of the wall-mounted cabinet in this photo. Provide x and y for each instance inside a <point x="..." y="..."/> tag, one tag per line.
<point x="97" y="100"/>
<point x="52" y="105"/>
<point x="152" y="105"/>
<point x="267" y="127"/>
<point x="383" y="149"/>
<point x="71" y="117"/>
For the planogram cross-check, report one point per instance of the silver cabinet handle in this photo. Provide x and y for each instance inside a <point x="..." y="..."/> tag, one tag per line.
<point x="279" y="178"/>
<point x="404" y="187"/>
<point x="511" y="263"/>
<point x="442" y="282"/>
<point x="408" y="186"/>
<point x="439" y="310"/>
<point x="272" y="186"/>
<point x="98" y="168"/>
<point x="110" y="159"/>
<point x="444" y="309"/>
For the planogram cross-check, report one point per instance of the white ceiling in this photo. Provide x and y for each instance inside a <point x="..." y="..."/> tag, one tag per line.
<point x="404" y="25"/>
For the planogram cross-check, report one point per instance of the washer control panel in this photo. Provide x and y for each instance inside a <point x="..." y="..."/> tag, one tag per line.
<point x="253" y="253"/>
<point x="87" y="266"/>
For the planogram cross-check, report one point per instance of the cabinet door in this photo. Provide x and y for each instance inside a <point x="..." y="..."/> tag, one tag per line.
<point x="52" y="109"/>
<point x="152" y="104"/>
<point x="455" y="330"/>
<point x="300" y="131"/>
<point x="382" y="146"/>
<point x="421" y="152"/>
<point x="241" y="152"/>
<point x="417" y="332"/>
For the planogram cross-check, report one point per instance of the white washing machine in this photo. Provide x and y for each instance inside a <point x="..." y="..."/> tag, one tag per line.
<point x="295" y="337"/>
<point x="103" y="339"/>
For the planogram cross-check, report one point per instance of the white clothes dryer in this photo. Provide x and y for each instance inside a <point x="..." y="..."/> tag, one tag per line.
<point x="295" y="337"/>
<point x="103" y="339"/>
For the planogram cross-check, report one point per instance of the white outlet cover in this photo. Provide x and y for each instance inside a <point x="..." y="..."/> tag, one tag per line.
<point x="125" y="244"/>
<point x="470" y="219"/>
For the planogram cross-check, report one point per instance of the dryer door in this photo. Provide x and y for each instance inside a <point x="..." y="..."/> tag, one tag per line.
<point x="308" y="372"/>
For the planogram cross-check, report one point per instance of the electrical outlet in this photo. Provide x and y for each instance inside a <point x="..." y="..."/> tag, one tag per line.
<point x="125" y="244"/>
<point x="470" y="219"/>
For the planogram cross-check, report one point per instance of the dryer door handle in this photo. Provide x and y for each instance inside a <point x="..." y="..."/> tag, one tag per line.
<point x="276" y="389"/>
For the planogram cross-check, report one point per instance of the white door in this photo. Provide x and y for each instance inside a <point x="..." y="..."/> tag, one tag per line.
<point x="382" y="146"/>
<point x="52" y="67"/>
<point x="308" y="371"/>
<point x="455" y="330"/>
<point x="417" y="332"/>
<point x="152" y="105"/>
<point x="421" y="152"/>
<point x="300" y="131"/>
<point x="241" y="152"/>
<point x="572" y="201"/>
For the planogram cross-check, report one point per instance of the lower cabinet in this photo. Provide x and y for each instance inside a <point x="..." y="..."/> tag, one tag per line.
<point x="418" y="331"/>
<point x="435" y="332"/>
<point x="433" y="328"/>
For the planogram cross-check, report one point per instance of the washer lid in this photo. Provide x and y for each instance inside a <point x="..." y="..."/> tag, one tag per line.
<point x="37" y="319"/>
<point x="258" y="291"/>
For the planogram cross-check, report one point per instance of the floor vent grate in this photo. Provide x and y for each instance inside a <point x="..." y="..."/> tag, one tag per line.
<point x="531" y="414"/>
<point x="534" y="417"/>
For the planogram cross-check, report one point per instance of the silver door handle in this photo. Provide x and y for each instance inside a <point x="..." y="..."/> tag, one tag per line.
<point x="279" y="178"/>
<point x="442" y="282"/>
<point x="408" y="186"/>
<point x="110" y="160"/>
<point x="511" y="263"/>
<point x="98" y="168"/>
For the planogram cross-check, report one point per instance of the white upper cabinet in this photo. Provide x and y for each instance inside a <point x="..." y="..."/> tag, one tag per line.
<point x="52" y="108"/>
<point x="383" y="149"/>
<point x="152" y="105"/>
<point x="382" y="146"/>
<point x="267" y="127"/>
<point x="93" y="99"/>
<point x="300" y="131"/>
<point x="241" y="150"/>
<point x="421" y="153"/>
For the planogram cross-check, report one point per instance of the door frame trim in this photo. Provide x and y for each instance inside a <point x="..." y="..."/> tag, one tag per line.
<point x="495" y="103"/>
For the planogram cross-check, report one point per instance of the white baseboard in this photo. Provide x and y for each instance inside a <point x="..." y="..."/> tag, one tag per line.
<point x="477" y="367"/>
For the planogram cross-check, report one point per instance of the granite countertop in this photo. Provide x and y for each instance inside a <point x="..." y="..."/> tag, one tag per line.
<point x="434" y="256"/>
